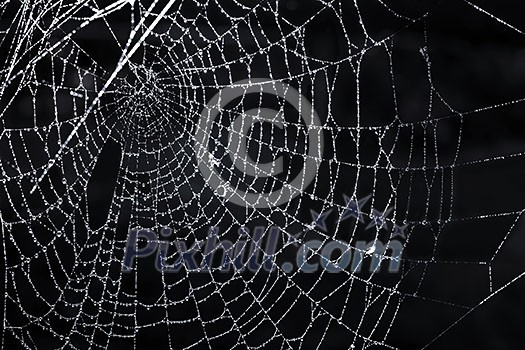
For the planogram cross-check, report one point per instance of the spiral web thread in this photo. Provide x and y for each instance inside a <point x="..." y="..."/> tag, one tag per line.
<point x="62" y="105"/>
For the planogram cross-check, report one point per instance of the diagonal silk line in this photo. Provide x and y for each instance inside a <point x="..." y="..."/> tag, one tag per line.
<point x="123" y="60"/>
<point x="484" y="301"/>
<point x="99" y="14"/>
<point x="494" y="17"/>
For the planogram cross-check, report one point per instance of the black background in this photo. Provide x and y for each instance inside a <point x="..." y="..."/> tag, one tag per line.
<point x="477" y="67"/>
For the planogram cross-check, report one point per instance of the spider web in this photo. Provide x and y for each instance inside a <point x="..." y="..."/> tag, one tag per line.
<point x="100" y="107"/>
